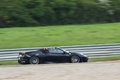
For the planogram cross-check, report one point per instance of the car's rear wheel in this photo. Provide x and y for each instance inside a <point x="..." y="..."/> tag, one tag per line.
<point x="20" y="62"/>
<point x="75" y="59"/>
<point x="34" y="60"/>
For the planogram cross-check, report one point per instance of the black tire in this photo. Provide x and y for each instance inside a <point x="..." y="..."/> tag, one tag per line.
<point x="20" y="62"/>
<point x="75" y="59"/>
<point x="34" y="60"/>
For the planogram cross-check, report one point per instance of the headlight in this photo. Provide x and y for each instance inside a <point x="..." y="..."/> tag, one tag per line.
<point x="81" y="53"/>
<point x="85" y="55"/>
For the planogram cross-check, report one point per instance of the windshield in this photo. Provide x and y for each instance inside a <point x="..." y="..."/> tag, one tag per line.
<point x="65" y="50"/>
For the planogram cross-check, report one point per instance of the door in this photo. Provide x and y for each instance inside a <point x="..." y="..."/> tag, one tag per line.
<point x="58" y="55"/>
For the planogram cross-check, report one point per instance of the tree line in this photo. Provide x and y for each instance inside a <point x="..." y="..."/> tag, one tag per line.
<point x="56" y="12"/>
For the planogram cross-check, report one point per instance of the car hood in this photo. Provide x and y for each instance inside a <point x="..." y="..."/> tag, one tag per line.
<point x="77" y="53"/>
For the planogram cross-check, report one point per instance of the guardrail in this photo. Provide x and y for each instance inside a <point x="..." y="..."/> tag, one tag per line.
<point x="92" y="51"/>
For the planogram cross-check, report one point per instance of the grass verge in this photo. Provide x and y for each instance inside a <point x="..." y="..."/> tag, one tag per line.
<point x="104" y="59"/>
<point x="8" y="63"/>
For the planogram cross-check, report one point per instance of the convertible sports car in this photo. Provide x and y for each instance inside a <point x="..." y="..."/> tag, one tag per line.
<point x="50" y="55"/>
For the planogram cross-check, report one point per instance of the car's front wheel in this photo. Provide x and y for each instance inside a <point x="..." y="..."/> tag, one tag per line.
<point x="75" y="59"/>
<point x="34" y="60"/>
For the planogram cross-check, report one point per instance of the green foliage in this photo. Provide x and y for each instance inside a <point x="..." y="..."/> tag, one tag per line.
<point x="54" y="12"/>
<point x="13" y="13"/>
<point x="116" y="10"/>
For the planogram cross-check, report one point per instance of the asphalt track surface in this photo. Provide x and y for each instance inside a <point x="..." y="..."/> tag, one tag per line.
<point x="107" y="70"/>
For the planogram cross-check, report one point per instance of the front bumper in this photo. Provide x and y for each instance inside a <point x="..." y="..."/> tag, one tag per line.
<point x="85" y="59"/>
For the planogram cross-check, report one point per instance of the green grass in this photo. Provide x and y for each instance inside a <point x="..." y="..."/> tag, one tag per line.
<point x="104" y="59"/>
<point x="59" y="35"/>
<point x="8" y="63"/>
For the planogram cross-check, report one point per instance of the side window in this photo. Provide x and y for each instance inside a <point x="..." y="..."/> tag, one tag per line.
<point x="53" y="50"/>
<point x="59" y="51"/>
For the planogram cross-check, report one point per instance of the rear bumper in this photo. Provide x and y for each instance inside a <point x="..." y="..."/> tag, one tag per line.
<point x="22" y="60"/>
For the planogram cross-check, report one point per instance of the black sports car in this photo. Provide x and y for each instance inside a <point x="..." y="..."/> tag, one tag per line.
<point x="50" y="55"/>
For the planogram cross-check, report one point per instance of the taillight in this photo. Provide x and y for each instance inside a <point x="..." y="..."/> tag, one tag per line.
<point x="23" y="53"/>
